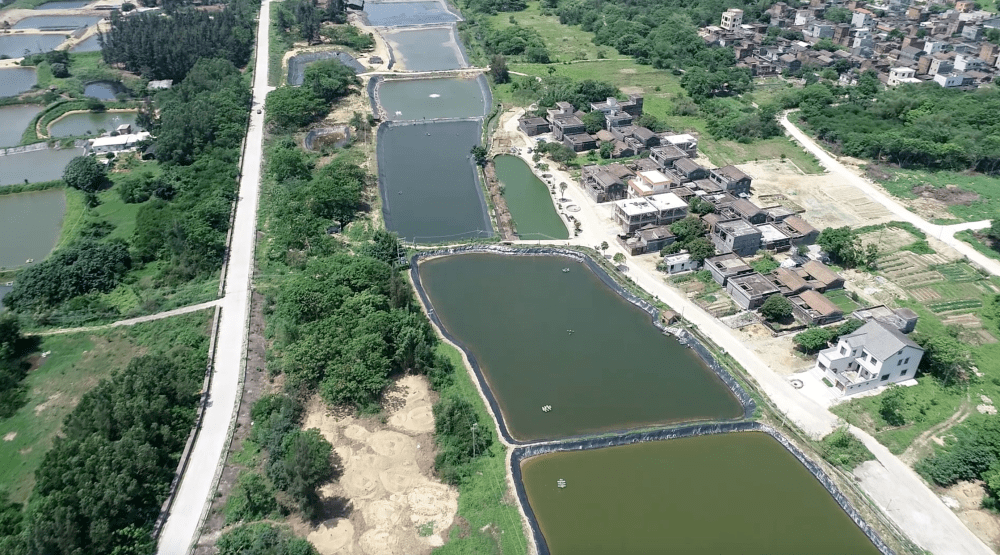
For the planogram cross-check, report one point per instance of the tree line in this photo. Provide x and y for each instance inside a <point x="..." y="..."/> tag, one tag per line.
<point x="99" y="488"/>
<point x="168" y="46"/>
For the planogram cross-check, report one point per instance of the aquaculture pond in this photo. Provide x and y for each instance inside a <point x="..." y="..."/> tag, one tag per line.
<point x="396" y="14"/>
<point x="63" y="5"/>
<point x="29" y="225"/>
<point x="16" y="80"/>
<point x="17" y="46"/>
<point x="102" y="90"/>
<point x="417" y="99"/>
<point x="297" y="64"/>
<point x="546" y="331"/>
<point x="428" y="180"/>
<point x="57" y="21"/>
<point x="90" y="44"/>
<point x="15" y="120"/>
<point x="90" y="123"/>
<point x="729" y="493"/>
<point x="35" y="166"/>
<point x="529" y="200"/>
<point x="426" y="49"/>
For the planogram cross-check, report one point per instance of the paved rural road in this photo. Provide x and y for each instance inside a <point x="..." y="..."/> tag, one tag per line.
<point x="944" y="233"/>
<point x="196" y="486"/>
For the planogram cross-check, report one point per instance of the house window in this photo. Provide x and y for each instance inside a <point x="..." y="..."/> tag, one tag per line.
<point x="903" y="373"/>
<point x="885" y="377"/>
<point x="874" y="360"/>
<point x="843" y="350"/>
<point x="907" y="361"/>
<point x="899" y="362"/>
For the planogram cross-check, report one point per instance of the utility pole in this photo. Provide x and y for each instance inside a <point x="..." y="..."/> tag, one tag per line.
<point x="473" y="428"/>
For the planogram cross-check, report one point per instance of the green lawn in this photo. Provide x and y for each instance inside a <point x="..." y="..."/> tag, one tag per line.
<point x="987" y="207"/>
<point x="484" y="499"/>
<point x="842" y="299"/>
<point x="75" y="364"/>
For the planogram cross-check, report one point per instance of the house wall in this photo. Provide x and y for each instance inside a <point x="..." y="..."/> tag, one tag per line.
<point x="742" y="298"/>
<point x="899" y="367"/>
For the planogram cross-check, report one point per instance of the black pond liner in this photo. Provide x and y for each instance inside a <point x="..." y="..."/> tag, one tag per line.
<point x="522" y="453"/>
<point x="297" y="64"/>
<point x="737" y="390"/>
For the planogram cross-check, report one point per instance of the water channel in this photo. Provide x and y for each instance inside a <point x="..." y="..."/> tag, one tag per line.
<point x="29" y="225"/>
<point x="426" y="49"/>
<point x="397" y="14"/>
<point x="15" y="120"/>
<point x="90" y="123"/>
<point x="544" y="336"/>
<point x="35" y="166"/>
<point x="16" y="80"/>
<point x="63" y="5"/>
<point x="729" y="493"/>
<point x="528" y="200"/>
<point x="430" y="186"/>
<point x="419" y="99"/>
<point x="90" y="44"/>
<point x="17" y="46"/>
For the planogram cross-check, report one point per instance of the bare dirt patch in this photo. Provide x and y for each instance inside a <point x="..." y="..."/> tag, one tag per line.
<point x="391" y="502"/>
<point x="39" y="408"/>
<point x="949" y="194"/>
<point x="10" y="436"/>
<point x="983" y="523"/>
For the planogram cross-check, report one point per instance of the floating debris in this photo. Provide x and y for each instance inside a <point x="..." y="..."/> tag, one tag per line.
<point x="565" y="270"/>
<point x="571" y="332"/>
<point x="546" y="408"/>
<point x="561" y="483"/>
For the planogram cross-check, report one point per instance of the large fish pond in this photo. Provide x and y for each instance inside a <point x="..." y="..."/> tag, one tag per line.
<point x="545" y="336"/>
<point x="29" y="225"/>
<point x="737" y="493"/>
<point x="35" y="166"/>
<point x="426" y="49"/>
<point x="419" y="99"/>
<point x="430" y="189"/>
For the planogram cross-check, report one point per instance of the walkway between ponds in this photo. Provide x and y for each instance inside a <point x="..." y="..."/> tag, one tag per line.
<point x="138" y="320"/>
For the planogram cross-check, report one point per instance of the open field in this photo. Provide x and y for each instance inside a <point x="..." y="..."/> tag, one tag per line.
<point x="965" y="196"/>
<point x="979" y="243"/>
<point x="564" y="43"/>
<point x="75" y="364"/>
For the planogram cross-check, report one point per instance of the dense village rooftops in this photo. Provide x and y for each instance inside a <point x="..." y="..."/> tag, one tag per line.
<point x="643" y="134"/>
<point x="820" y="272"/>
<point x="737" y="227"/>
<point x="654" y="177"/>
<point x="667" y="152"/>
<point x="788" y="281"/>
<point x="731" y="172"/>
<point x="667" y="201"/>
<point x="769" y="233"/>
<point x="818" y="303"/>
<point x="728" y="264"/>
<point x="687" y="165"/>
<point x="746" y="208"/>
<point x="799" y="225"/>
<point x="755" y="285"/>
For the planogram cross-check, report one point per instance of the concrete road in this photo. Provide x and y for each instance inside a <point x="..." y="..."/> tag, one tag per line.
<point x="195" y="492"/>
<point x="945" y="233"/>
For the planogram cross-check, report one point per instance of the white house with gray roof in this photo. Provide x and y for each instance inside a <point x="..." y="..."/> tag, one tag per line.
<point x="875" y="355"/>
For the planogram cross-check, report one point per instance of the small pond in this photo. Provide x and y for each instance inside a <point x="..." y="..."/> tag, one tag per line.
<point x="102" y="90"/>
<point x="16" y="80"/>
<point x="529" y="201"/>
<point x="29" y="225"/>
<point x="35" y="166"/>
<point x="428" y="180"/>
<point x="89" y="44"/>
<point x="15" y="120"/>
<point x="397" y="14"/>
<point x="297" y="64"/>
<point x="57" y="21"/>
<point x="63" y="5"/>
<point x="15" y="46"/>
<point x="581" y="348"/>
<point x="737" y="493"/>
<point x="417" y="99"/>
<point x="432" y="49"/>
<point x="90" y="123"/>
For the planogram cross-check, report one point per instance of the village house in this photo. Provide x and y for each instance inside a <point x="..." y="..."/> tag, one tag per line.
<point x="903" y="319"/>
<point x="738" y="236"/>
<point x="732" y="180"/>
<point x="773" y="238"/>
<point x="875" y="355"/>
<point x="750" y="291"/>
<point x="820" y="277"/>
<point x="635" y="213"/>
<point x="650" y="238"/>
<point x="687" y="143"/>
<point x="815" y="309"/>
<point x="648" y="183"/>
<point x="690" y="170"/>
<point x="580" y="142"/>
<point x="679" y="263"/>
<point x="534" y="126"/>
<point x="724" y="267"/>
<point x="117" y="143"/>
<point x="788" y="282"/>
<point x="666" y="156"/>
<point x="606" y="183"/>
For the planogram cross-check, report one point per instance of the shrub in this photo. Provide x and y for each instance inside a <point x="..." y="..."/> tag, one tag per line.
<point x="776" y="308"/>
<point x="842" y="449"/>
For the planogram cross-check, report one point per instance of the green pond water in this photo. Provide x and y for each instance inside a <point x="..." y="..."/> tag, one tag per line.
<point x="15" y="120"/>
<point x="35" y="166"/>
<point x="29" y="225"/>
<point x="430" y="191"/>
<point x="731" y="494"/>
<point x="90" y="123"/>
<point x="614" y="371"/>
<point x="418" y="99"/>
<point x="428" y="49"/>
<point x="529" y="201"/>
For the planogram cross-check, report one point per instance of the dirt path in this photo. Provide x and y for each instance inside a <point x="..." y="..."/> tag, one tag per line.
<point x="921" y="445"/>
<point x="138" y="320"/>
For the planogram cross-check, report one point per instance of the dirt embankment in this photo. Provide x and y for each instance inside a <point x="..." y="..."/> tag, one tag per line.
<point x="387" y="501"/>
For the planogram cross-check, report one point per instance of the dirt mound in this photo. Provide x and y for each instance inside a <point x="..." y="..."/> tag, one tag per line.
<point x="949" y="194"/>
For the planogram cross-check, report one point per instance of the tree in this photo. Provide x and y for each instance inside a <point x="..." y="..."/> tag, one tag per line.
<point x="329" y="79"/>
<point x="607" y="149"/>
<point x="294" y="107"/>
<point x="459" y="436"/>
<point x="619" y="258"/>
<point x="993" y="232"/>
<point x="498" y="70"/>
<point x="59" y="70"/>
<point x="944" y="357"/>
<point x="562" y="189"/>
<point x="812" y="340"/>
<point x="604" y="247"/>
<point x="776" y="308"/>
<point x="891" y="406"/>
<point x="700" y="248"/>
<point x="479" y="153"/>
<point x="262" y="538"/>
<point x="699" y="206"/>
<point x="688" y="229"/>
<point x="85" y="173"/>
<point x="288" y="162"/>
<point x="307" y="463"/>
<point x="594" y="121"/>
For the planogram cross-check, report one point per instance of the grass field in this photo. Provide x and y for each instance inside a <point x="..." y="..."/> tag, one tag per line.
<point x="75" y="364"/>
<point x="277" y="46"/>
<point x="988" y="206"/>
<point x="843" y="300"/>
<point x="565" y="43"/>
<point x="978" y="244"/>
<point x="484" y="500"/>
